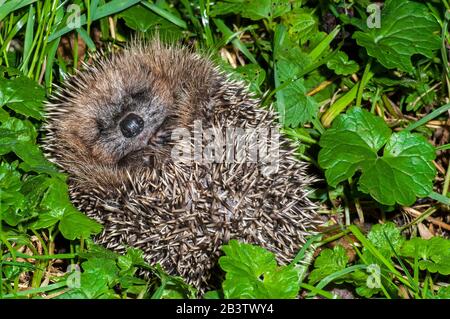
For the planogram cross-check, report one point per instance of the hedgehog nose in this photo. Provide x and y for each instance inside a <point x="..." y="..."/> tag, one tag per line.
<point x="132" y="125"/>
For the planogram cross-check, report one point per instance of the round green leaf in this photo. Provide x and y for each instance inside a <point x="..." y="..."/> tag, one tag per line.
<point x="403" y="172"/>
<point x="22" y="95"/>
<point x="407" y="28"/>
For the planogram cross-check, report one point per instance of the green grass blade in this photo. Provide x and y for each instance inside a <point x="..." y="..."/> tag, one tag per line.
<point x="105" y="10"/>
<point x="339" y="106"/>
<point x="11" y="6"/>
<point x="301" y="253"/>
<point x="367" y="75"/>
<point x="113" y="7"/>
<point x="280" y="33"/>
<point x="413" y="283"/>
<point x="230" y="36"/>
<point x="17" y="26"/>
<point x="46" y="257"/>
<point x="194" y="19"/>
<point x="443" y="147"/>
<point x="94" y="6"/>
<point x="429" y="117"/>
<point x="86" y="38"/>
<point x="166" y="15"/>
<point x="355" y="230"/>
<point x="325" y="281"/>
<point x="440" y="198"/>
<point x="204" y="11"/>
<point x="158" y="292"/>
<point x="36" y="290"/>
<point x="316" y="291"/>
<point x="320" y="49"/>
<point x="51" y="52"/>
<point x="29" y="33"/>
<point x="18" y="264"/>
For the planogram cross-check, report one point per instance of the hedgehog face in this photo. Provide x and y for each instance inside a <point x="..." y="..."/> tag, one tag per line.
<point x="123" y="121"/>
<point x="133" y="126"/>
<point x="121" y="111"/>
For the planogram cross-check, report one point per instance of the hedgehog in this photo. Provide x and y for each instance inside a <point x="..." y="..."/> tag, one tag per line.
<point x="174" y="156"/>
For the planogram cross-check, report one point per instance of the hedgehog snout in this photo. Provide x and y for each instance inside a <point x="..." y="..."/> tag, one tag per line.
<point x="131" y="125"/>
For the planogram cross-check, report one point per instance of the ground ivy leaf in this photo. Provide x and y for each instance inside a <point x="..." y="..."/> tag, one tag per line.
<point x="382" y="236"/>
<point x="256" y="10"/>
<point x="97" y="251"/>
<point x="56" y="206"/>
<point x="105" y="267"/>
<point x="282" y="283"/>
<point x="433" y="254"/>
<point x="371" y="129"/>
<point x="227" y="7"/>
<point x="353" y="139"/>
<point x="143" y="20"/>
<point x="359" y="279"/>
<point x="301" y="23"/>
<point x="253" y="74"/>
<point x="33" y="159"/>
<point x="94" y="286"/>
<point x="353" y="142"/>
<point x="73" y="294"/>
<point x="45" y="220"/>
<point x="14" y="131"/>
<point x="443" y="293"/>
<point x="39" y="190"/>
<point x="407" y="28"/>
<point x="124" y="262"/>
<point x="171" y="283"/>
<point x="293" y="105"/>
<point x="12" y="201"/>
<point x="133" y="257"/>
<point x="34" y="187"/>
<point x="212" y="294"/>
<point x="76" y="225"/>
<point x="404" y="172"/>
<point x="56" y="199"/>
<point x="252" y="272"/>
<point x="246" y="259"/>
<point x="19" y="136"/>
<point x="299" y="108"/>
<point x="342" y="154"/>
<point x="22" y="95"/>
<point x="340" y="64"/>
<point x="328" y="262"/>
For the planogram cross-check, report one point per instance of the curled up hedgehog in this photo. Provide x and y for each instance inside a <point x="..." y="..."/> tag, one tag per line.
<point x="173" y="157"/>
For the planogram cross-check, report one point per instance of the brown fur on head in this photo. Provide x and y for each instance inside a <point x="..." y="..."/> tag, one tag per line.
<point x="119" y="113"/>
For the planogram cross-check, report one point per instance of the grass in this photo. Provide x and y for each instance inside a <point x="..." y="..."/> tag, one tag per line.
<point x="314" y="63"/>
